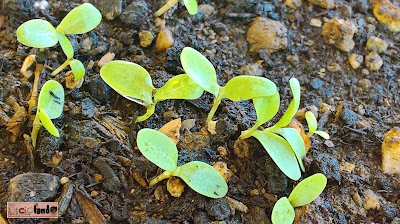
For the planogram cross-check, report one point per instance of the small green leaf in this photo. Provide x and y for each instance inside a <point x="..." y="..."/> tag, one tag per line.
<point x="312" y="123"/>
<point x="308" y="190"/>
<point x="283" y="212"/>
<point x="293" y="106"/>
<point x="158" y="148"/>
<point x="247" y="87"/>
<point x="191" y="6"/>
<point x="81" y="19"/>
<point x="65" y="45"/>
<point x="130" y="80"/>
<point x="77" y="68"/>
<point x="266" y="107"/>
<point x="179" y="87"/>
<point x="200" y="70"/>
<point x="322" y="134"/>
<point x="203" y="179"/>
<point x="47" y="123"/>
<point x="281" y="153"/>
<point x="295" y="140"/>
<point x="51" y="99"/>
<point x="37" y="33"/>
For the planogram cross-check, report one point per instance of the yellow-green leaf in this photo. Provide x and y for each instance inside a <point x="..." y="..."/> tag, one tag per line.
<point x="65" y="45"/>
<point x="283" y="212"/>
<point x="308" y="190"/>
<point x="191" y="6"/>
<point x="295" y="140"/>
<point x="200" y="70"/>
<point x="158" y="148"/>
<point x="51" y="99"/>
<point x="81" y="19"/>
<point x="203" y="179"/>
<point x="37" y="33"/>
<point x="77" y="68"/>
<point x="47" y="123"/>
<point x="179" y="87"/>
<point x="130" y="80"/>
<point x="281" y="153"/>
<point x="247" y="87"/>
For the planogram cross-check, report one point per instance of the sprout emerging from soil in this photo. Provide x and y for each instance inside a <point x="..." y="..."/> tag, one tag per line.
<point x="134" y="83"/>
<point x="161" y="150"/>
<point x="244" y="87"/>
<point x="41" y="34"/>
<point x="304" y="193"/>
<point x="191" y="6"/>
<point x="284" y="145"/>
<point x="50" y="106"/>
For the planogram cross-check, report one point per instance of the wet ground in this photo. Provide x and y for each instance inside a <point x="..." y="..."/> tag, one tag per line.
<point x="97" y="124"/>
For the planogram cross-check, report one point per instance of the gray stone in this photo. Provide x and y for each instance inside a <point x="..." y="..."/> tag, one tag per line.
<point x="111" y="182"/>
<point x="108" y="8"/>
<point x="135" y="13"/>
<point x="327" y="165"/>
<point x="88" y="108"/>
<point x="33" y="187"/>
<point x="218" y="208"/>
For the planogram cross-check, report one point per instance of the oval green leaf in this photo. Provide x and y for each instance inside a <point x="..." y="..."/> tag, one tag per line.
<point x="283" y="212"/>
<point x="47" y="123"/>
<point x="191" y="6"/>
<point x="266" y="107"/>
<point x="51" y="99"/>
<point x="295" y="140"/>
<point x="158" y="148"/>
<point x="311" y="122"/>
<point x="77" y="68"/>
<point x="203" y="179"/>
<point x="179" y="87"/>
<point x="281" y="153"/>
<point x="247" y="87"/>
<point x="65" y="45"/>
<point x="130" y="80"/>
<point x="308" y="190"/>
<point x="200" y="70"/>
<point x="322" y="134"/>
<point x="293" y="106"/>
<point x="37" y="33"/>
<point x="81" y="19"/>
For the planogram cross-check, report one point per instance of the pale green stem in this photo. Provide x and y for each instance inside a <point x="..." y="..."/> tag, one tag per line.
<point x="59" y="69"/>
<point x="37" y="125"/>
<point x="149" y="112"/>
<point x="167" y="6"/>
<point x="161" y="177"/>
<point x="247" y="133"/>
<point x="214" y="108"/>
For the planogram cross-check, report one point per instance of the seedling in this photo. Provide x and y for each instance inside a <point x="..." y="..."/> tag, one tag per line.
<point x="191" y="6"/>
<point x="244" y="87"/>
<point x="304" y="193"/>
<point x="134" y="83"/>
<point x="50" y="106"/>
<point x="282" y="143"/>
<point x="41" y="34"/>
<point x="161" y="150"/>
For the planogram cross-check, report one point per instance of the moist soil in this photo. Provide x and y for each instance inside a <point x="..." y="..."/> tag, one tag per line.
<point x="358" y="118"/>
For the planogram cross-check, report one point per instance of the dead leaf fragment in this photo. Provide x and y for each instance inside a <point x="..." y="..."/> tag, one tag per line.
<point x="70" y="82"/>
<point x="299" y="127"/>
<point x="106" y="58"/>
<point x="24" y="69"/>
<point x="14" y="124"/>
<point x="89" y="209"/>
<point x="171" y="129"/>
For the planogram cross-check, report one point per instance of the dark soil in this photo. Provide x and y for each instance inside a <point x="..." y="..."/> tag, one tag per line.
<point x="356" y="134"/>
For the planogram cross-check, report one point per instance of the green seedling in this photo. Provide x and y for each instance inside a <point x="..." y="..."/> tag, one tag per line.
<point x="191" y="6"/>
<point x="284" y="144"/>
<point x="312" y="126"/>
<point x="134" y="83"/>
<point x="244" y="87"/>
<point x="304" y="193"/>
<point x="50" y="106"/>
<point x="161" y="150"/>
<point x="41" y="34"/>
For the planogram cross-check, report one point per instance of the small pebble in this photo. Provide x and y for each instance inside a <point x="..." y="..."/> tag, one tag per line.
<point x="188" y="124"/>
<point x="165" y="40"/>
<point x="327" y="4"/>
<point x="376" y="44"/>
<point x="64" y="180"/>
<point x="391" y="151"/>
<point x="387" y="13"/>
<point x="356" y="60"/>
<point x="211" y="127"/>
<point x="241" y="148"/>
<point x="223" y="169"/>
<point x="57" y="158"/>
<point x="316" y="22"/>
<point x="222" y="151"/>
<point x="145" y="38"/>
<point x="98" y="177"/>
<point x="357" y="199"/>
<point x="373" y="61"/>
<point x="371" y="200"/>
<point x="339" y="32"/>
<point x="175" y="186"/>
<point x="294" y="3"/>
<point x="364" y="71"/>
<point x="334" y="67"/>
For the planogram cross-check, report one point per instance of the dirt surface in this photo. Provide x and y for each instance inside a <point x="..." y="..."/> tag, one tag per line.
<point x="351" y="159"/>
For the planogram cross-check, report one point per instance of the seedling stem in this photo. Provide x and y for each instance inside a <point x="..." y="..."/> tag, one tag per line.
<point x="167" y="6"/>
<point x="59" y="69"/>
<point x="166" y="174"/>
<point x="214" y="108"/>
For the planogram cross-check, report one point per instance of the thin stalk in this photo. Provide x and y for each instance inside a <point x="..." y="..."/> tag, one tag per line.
<point x="167" y="6"/>
<point x="165" y="175"/>
<point x="34" y="93"/>
<point x="59" y="69"/>
<point x="247" y="133"/>
<point x="37" y="125"/>
<point x="150" y="110"/>
<point x="214" y="108"/>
